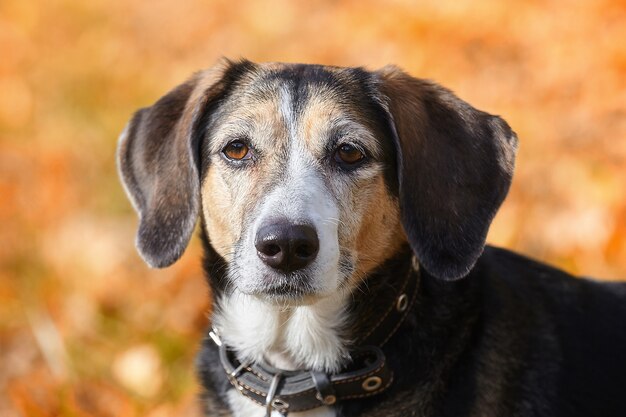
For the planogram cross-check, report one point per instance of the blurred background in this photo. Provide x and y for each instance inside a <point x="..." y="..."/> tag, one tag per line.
<point x="86" y="329"/>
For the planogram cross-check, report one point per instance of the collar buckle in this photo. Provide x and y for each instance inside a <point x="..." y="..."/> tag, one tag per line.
<point x="275" y="403"/>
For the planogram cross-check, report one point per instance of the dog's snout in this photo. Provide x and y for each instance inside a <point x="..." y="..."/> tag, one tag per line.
<point x="287" y="247"/>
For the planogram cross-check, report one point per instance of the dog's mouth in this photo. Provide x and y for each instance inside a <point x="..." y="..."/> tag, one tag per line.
<point x="291" y="288"/>
<point x="282" y="290"/>
<point x="287" y="289"/>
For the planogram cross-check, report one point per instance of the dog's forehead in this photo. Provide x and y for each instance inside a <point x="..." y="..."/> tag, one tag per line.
<point x="312" y="102"/>
<point x="304" y="80"/>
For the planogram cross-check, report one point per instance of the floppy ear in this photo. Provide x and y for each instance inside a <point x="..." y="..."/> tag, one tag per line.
<point x="455" y="165"/>
<point x="157" y="159"/>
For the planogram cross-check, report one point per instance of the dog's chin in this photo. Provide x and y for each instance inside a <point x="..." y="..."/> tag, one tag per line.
<point x="287" y="300"/>
<point x="286" y="295"/>
<point x="285" y="292"/>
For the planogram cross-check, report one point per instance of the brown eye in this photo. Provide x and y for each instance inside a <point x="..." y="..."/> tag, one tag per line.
<point x="237" y="151"/>
<point x="348" y="154"/>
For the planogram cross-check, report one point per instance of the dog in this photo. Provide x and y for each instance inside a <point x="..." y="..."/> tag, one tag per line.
<point x="343" y="215"/>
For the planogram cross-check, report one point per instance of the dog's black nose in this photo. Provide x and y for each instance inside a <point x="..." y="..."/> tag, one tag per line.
<point x="287" y="247"/>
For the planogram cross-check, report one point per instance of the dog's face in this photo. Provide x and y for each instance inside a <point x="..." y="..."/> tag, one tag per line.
<point x="308" y="177"/>
<point x="294" y="196"/>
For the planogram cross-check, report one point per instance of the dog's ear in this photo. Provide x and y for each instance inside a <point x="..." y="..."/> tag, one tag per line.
<point x="455" y="165"/>
<point x="157" y="159"/>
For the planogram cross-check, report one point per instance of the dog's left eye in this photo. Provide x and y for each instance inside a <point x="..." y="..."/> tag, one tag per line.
<point x="349" y="154"/>
<point x="237" y="151"/>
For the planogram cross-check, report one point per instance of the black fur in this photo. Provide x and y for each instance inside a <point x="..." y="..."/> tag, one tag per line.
<point x="515" y="338"/>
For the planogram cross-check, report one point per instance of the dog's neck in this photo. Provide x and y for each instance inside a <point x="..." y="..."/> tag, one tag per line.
<point x="316" y="336"/>
<point x="302" y="337"/>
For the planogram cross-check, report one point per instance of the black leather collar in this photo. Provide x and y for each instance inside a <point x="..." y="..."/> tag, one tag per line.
<point x="367" y="373"/>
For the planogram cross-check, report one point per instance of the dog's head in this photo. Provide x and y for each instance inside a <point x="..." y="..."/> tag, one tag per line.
<point x="308" y="177"/>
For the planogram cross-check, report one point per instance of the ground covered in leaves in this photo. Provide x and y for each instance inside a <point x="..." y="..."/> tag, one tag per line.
<point x="87" y="330"/>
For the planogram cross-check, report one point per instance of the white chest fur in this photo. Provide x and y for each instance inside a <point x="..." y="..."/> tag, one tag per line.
<point x="302" y="337"/>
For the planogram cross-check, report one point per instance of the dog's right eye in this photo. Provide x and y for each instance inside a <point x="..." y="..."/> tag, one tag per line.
<point x="349" y="154"/>
<point x="237" y="151"/>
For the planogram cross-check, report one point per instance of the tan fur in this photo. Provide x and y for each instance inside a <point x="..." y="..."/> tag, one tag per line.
<point x="380" y="227"/>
